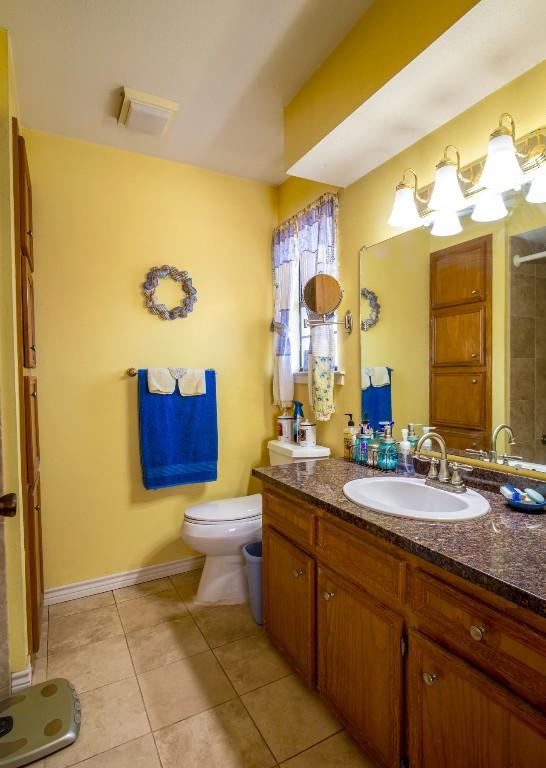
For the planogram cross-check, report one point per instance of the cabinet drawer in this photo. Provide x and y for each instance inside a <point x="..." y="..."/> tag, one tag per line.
<point x="295" y="519"/>
<point x="458" y="336"/>
<point x="461" y="439"/>
<point x="458" y="399"/>
<point x="378" y="572"/>
<point x="511" y="652"/>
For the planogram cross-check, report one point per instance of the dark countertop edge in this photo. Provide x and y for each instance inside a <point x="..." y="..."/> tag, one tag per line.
<point x="503" y="589"/>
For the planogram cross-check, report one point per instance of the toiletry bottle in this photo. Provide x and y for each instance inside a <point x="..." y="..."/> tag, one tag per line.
<point x="349" y="438"/>
<point x="298" y="418"/>
<point x="412" y="437"/>
<point x="387" y="452"/>
<point x="360" y="453"/>
<point x="427" y="445"/>
<point x="404" y="463"/>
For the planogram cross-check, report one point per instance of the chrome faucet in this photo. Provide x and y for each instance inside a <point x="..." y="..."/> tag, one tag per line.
<point x="439" y="475"/>
<point x="493" y="455"/>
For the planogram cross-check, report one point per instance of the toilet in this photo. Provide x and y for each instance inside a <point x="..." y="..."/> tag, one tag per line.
<point x="220" y="529"/>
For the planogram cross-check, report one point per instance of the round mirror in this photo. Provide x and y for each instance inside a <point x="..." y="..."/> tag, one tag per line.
<point x="322" y="294"/>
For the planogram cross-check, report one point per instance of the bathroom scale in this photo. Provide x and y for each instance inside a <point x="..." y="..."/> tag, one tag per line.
<point x="38" y="721"/>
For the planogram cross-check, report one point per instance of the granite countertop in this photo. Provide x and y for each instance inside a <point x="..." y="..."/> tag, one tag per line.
<point x="504" y="551"/>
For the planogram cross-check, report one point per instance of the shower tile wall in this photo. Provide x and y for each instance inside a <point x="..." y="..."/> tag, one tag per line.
<point x="528" y="352"/>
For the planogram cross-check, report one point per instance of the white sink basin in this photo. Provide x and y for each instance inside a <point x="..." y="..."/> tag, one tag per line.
<point x="410" y="497"/>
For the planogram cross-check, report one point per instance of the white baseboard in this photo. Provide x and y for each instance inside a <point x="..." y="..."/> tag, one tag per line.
<point x="20" y="680"/>
<point x="118" y="580"/>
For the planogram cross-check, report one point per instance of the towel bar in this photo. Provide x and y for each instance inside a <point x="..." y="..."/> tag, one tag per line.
<point x="132" y="371"/>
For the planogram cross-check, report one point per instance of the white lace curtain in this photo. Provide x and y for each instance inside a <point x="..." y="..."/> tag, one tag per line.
<point x="306" y="245"/>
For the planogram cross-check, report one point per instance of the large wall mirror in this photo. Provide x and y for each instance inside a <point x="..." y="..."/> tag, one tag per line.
<point x="462" y="335"/>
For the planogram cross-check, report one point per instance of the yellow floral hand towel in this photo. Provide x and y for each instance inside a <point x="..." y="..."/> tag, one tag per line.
<point x="322" y="387"/>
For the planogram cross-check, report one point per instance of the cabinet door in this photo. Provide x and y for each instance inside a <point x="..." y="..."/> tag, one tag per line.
<point x="30" y="388"/>
<point x="289" y="601"/>
<point x="459" y="718"/>
<point x="25" y="203"/>
<point x="360" y="665"/>
<point x="459" y="274"/>
<point x="458" y="336"/>
<point x="34" y="561"/>
<point x="458" y="399"/>
<point x="461" y="440"/>
<point x="29" y="333"/>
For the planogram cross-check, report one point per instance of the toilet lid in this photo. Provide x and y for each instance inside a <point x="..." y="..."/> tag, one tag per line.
<point x="225" y="510"/>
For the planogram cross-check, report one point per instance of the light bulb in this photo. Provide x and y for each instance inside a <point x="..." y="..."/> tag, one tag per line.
<point x="501" y="171"/>
<point x="447" y="194"/>
<point x="404" y="212"/>
<point x="537" y="190"/>
<point x="490" y="207"/>
<point x="446" y="223"/>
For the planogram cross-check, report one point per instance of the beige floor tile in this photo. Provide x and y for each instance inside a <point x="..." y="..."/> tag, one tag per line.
<point x="152" y="609"/>
<point x="184" y="688"/>
<point x="39" y="669"/>
<point x="67" y="633"/>
<point x="111" y="715"/>
<point x="156" y="646"/>
<point x="251" y="662"/>
<point x="339" y="751"/>
<point x="290" y="717"/>
<point x="186" y="583"/>
<point x="103" y="600"/>
<point x="140" y="753"/>
<point x="224" y="736"/>
<point x="141" y="590"/>
<point x="93" y="665"/>
<point x="222" y="624"/>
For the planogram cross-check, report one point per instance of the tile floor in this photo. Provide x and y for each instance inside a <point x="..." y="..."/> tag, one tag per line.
<point x="165" y="683"/>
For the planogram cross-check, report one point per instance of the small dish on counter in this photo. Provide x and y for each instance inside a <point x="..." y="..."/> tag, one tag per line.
<point x="529" y="507"/>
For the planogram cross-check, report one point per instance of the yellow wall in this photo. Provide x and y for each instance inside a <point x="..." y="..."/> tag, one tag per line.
<point x="389" y="35"/>
<point x="9" y="407"/>
<point x="365" y="207"/>
<point x="103" y="217"/>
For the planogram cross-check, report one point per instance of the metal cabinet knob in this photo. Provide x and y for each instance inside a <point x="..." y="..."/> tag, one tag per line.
<point x="327" y="596"/>
<point x="474" y="381"/>
<point x="30" y="233"/>
<point x="33" y="347"/>
<point x="37" y="508"/>
<point x="297" y="572"/>
<point x="473" y="291"/>
<point x="429" y="678"/>
<point x="477" y="633"/>
<point x="34" y="394"/>
<point x="474" y="355"/>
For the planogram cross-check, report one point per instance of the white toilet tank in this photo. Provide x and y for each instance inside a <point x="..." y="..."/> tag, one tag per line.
<point x="291" y="453"/>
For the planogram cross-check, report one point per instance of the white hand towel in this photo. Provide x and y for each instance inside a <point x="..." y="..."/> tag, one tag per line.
<point x="365" y="380"/>
<point x="192" y="382"/>
<point x="380" y="377"/>
<point x="160" y="381"/>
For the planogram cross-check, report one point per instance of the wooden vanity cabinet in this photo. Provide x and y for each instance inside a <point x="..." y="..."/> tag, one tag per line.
<point x="423" y="668"/>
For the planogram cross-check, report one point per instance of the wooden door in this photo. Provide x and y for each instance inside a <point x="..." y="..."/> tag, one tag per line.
<point x="460" y="343"/>
<point x="360" y="665"/>
<point x="289" y="601"/>
<point x="32" y="439"/>
<point x="33" y="552"/>
<point x="29" y="332"/>
<point x="459" y="718"/>
<point x="25" y="204"/>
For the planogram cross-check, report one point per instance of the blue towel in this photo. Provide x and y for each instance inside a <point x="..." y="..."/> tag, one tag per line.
<point x="178" y="436"/>
<point x="376" y="402"/>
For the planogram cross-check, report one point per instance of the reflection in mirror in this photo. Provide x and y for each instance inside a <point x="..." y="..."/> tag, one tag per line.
<point x="463" y="332"/>
<point x="322" y="294"/>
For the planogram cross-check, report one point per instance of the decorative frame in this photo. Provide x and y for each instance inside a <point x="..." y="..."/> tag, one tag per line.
<point x="371" y="298"/>
<point x="150" y="287"/>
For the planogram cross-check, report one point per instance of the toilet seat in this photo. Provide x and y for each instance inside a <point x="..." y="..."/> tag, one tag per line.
<point x="225" y="510"/>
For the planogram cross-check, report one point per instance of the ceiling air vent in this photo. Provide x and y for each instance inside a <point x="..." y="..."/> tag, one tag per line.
<point x="144" y="113"/>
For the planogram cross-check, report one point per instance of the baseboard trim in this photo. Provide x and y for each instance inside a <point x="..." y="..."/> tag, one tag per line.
<point x="20" y="680"/>
<point x="118" y="580"/>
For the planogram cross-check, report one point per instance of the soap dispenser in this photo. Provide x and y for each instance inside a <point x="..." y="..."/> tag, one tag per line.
<point x="349" y="438"/>
<point x="404" y="463"/>
<point x="412" y="437"/>
<point x="387" y="453"/>
<point x="298" y="418"/>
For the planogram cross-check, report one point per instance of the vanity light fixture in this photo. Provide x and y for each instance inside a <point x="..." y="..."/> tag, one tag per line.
<point x="502" y="170"/>
<point x="405" y="213"/>
<point x="447" y="195"/>
<point x="537" y="190"/>
<point x="446" y="223"/>
<point x="489" y="207"/>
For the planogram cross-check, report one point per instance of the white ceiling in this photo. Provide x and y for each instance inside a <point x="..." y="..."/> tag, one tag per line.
<point x="232" y="65"/>
<point x="495" y="42"/>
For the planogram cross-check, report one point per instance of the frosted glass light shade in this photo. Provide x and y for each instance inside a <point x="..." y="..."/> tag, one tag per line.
<point x="501" y="170"/>
<point x="537" y="190"/>
<point x="447" y="194"/>
<point x="490" y="207"/>
<point x="446" y="223"/>
<point x="404" y="212"/>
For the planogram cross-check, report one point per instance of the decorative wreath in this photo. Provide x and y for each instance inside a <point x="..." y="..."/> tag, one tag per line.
<point x="150" y="286"/>
<point x="371" y="298"/>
